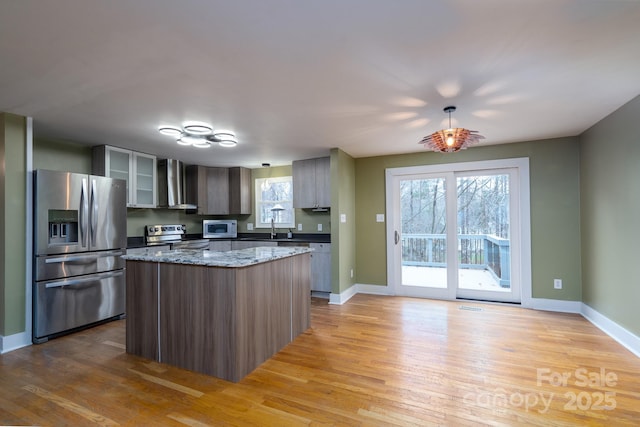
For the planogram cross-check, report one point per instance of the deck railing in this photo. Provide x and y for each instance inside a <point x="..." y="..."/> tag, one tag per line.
<point x="477" y="251"/>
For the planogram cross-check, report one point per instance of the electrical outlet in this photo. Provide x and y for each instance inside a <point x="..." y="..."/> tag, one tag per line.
<point x="299" y="227"/>
<point x="319" y="227"/>
<point x="352" y="273"/>
<point x="557" y="283"/>
<point x="249" y="226"/>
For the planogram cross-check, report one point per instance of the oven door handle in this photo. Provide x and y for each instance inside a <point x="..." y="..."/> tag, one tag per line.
<point x="80" y="281"/>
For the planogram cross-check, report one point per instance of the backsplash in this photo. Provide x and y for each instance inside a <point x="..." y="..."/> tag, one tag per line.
<point x="138" y="218"/>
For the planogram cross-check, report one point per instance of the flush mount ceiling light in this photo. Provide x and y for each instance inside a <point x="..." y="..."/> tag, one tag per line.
<point x="199" y="134"/>
<point x="452" y="139"/>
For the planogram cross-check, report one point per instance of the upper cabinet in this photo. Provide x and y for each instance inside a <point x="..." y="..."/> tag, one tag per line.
<point x="239" y="191"/>
<point x="137" y="169"/>
<point x="312" y="183"/>
<point x="208" y="187"/>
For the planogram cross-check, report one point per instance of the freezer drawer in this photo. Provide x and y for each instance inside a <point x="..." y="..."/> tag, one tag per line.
<point x="58" y="266"/>
<point x="60" y="305"/>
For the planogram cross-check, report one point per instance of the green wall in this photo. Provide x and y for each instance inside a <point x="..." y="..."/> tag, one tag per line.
<point x="61" y="156"/>
<point x="555" y="210"/>
<point x="13" y="229"/>
<point x="610" y="205"/>
<point x="343" y="236"/>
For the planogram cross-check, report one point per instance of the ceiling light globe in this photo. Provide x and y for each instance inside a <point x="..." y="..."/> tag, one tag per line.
<point x="450" y="140"/>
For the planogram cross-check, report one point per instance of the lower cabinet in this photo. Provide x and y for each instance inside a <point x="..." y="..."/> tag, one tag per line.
<point x="321" y="267"/>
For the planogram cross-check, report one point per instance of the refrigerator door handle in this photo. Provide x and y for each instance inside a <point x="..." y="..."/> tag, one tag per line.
<point x="80" y="281"/>
<point x="84" y="211"/>
<point x="87" y="257"/>
<point x="94" y="213"/>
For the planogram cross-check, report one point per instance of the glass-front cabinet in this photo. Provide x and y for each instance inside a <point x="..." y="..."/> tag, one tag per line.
<point x="137" y="169"/>
<point x="144" y="180"/>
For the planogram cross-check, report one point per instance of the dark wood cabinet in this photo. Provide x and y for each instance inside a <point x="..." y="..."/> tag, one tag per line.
<point x="239" y="191"/>
<point x="208" y="188"/>
<point x="142" y="309"/>
<point x="312" y="183"/>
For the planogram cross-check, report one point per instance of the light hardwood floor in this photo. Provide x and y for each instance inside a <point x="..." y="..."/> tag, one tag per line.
<point x="373" y="361"/>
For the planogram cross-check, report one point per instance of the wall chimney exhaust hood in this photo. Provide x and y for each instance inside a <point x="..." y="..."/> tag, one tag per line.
<point x="172" y="185"/>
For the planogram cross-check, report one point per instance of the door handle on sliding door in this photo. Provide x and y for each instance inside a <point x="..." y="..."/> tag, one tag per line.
<point x="397" y="236"/>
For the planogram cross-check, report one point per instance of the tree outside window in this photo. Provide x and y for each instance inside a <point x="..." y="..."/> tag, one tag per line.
<point x="269" y="193"/>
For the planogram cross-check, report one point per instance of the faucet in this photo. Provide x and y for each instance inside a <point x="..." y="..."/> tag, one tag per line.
<point x="277" y="208"/>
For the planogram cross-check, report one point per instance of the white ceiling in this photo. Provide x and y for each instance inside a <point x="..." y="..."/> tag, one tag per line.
<point x="295" y="78"/>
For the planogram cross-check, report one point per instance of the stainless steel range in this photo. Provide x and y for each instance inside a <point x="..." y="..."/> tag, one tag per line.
<point x="174" y="235"/>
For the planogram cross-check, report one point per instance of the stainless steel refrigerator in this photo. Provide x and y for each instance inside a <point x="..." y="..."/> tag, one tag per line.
<point x="80" y="234"/>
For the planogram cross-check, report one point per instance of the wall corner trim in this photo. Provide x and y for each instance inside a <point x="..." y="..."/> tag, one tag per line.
<point x="623" y="336"/>
<point x="14" y="342"/>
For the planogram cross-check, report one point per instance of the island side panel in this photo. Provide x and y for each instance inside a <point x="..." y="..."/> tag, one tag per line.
<point x="142" y="309"/>
<point x="301" y="294"/>
<point x="196" y="321"/>
<point x="263" y="312"/>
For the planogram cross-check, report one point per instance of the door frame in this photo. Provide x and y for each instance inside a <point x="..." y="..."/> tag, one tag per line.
<point x="523" y="200"/>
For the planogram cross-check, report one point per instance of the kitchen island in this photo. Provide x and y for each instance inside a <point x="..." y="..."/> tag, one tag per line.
<point x="218" y="313"/>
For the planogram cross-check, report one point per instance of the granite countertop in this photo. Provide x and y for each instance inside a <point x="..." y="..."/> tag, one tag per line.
<point x="237" y="258"/>
<point x="139" y="241"/>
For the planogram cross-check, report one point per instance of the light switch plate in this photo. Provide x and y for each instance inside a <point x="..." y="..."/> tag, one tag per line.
<point x="299" y="227"/>
<point x="379" y="217"/>
<point x="249" y="226"/>
<point x="343" y="217"/>
<point x="319" y="227"/>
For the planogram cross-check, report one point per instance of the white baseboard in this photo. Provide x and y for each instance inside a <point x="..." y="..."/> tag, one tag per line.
<point x="343" y="296"/>
<point x="556" y="305"/>
<point x="373" y="289"/>
<point x="623" y="336"/>
<point x="358" y="288"/>
<point x="14" y="342"/>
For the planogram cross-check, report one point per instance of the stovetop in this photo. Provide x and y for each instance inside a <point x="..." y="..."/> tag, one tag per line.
<point x="158" y="234"/>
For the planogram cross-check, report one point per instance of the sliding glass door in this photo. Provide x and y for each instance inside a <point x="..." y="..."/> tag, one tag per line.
<point x="452" y="232"/>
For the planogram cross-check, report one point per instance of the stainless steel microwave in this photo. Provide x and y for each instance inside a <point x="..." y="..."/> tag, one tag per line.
<point x="219" y="229"/>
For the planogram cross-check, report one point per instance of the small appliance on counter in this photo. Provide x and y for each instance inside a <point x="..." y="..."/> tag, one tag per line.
<point x="173" y="235"/>
<point x="219" y="228"/>
<point x="80" y="234"/>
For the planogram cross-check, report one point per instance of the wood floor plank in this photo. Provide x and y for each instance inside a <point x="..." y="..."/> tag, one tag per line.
<point x="169" y="384"/>
<point x="70" y="406"/>
<point x="373" y="361"/>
